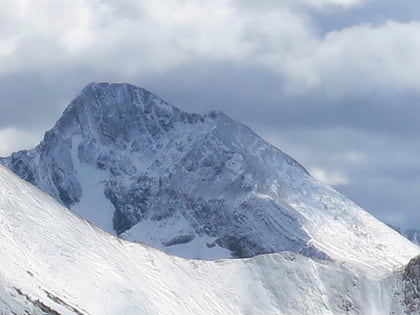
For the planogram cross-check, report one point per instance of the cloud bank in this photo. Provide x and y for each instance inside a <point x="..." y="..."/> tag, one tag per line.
<point x="136" y="38"/>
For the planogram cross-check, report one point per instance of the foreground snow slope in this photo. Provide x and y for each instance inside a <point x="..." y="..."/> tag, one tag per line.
<point x="56" y="263"/>
<point x="197" y="186"/>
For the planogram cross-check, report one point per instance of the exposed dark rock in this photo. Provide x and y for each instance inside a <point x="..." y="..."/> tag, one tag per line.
<point x="411" y="286"/>
<point x="181" y="239"/>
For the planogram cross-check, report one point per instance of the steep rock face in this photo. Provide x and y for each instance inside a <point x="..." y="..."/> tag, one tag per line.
<point x="198" y="186"/>
<point x="405" y="284"/>
<point x="411" y="287"/>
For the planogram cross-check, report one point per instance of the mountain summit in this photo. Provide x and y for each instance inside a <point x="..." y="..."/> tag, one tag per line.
<point x="197" y="186"/>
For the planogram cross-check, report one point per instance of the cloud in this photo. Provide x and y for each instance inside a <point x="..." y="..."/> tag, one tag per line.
<point x="125" y="36"/>
<point x="330" y="4"/>
<point x="137" y="38"/>
<point x="334" y="178"/>
<point x="11" y="139"/>
<point x="363" y="59"/>
<point x="316" y="4"/>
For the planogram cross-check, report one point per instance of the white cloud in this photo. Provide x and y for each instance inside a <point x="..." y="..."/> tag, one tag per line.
<point x="361" y="59"/>
<point x="321" y="4"/>
<point x="317" y="4"/>
<point x="12" y="140"/>
<point x="136" y="38"/>
<point x="329" y="177"/>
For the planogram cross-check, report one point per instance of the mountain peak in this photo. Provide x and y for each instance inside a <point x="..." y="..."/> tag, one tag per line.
<point x="196" y="186"/>
<point x="117" y="90"/>
<point x="109" y="97"/>
<point x="115" y="111"/>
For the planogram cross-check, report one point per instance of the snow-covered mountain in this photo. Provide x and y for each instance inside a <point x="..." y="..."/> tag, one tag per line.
<point x="197" y="186"/>
<point x="53" y="262"/>
<point x="412" y="234"/>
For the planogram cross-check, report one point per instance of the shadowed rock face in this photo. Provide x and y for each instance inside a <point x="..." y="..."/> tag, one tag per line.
<point x="411" y="286"/>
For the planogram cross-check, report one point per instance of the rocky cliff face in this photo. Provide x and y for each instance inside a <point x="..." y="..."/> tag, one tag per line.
<point x="198" y="186"/>
<point x="406" y="288"/>
<point x="411" y="286"/>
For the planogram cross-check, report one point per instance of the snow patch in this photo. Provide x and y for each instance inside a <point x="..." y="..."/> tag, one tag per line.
<point x="93" y="205"/>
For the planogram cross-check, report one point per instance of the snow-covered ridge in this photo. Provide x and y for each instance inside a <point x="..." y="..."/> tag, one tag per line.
<point x="56" y="263"/>
<point x="197" y="186"/>
<point x="412" y="234"/>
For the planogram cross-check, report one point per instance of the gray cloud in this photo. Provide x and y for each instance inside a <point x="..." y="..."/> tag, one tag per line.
<point x="131" y="38"/>
<point x="374" y="12"/>
<point x="253" y="94"/>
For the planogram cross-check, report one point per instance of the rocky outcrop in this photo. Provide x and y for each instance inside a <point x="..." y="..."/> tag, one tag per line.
<point x="411" y="286"/>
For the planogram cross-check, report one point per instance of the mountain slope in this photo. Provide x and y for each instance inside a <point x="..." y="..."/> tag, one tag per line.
<point x="197" y="186"/>
<point x="53" y="262"/>
<point x="412" y="234"/>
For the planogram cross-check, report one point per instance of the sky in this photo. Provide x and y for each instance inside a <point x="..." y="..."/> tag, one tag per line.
<point x="333" y="83"/>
